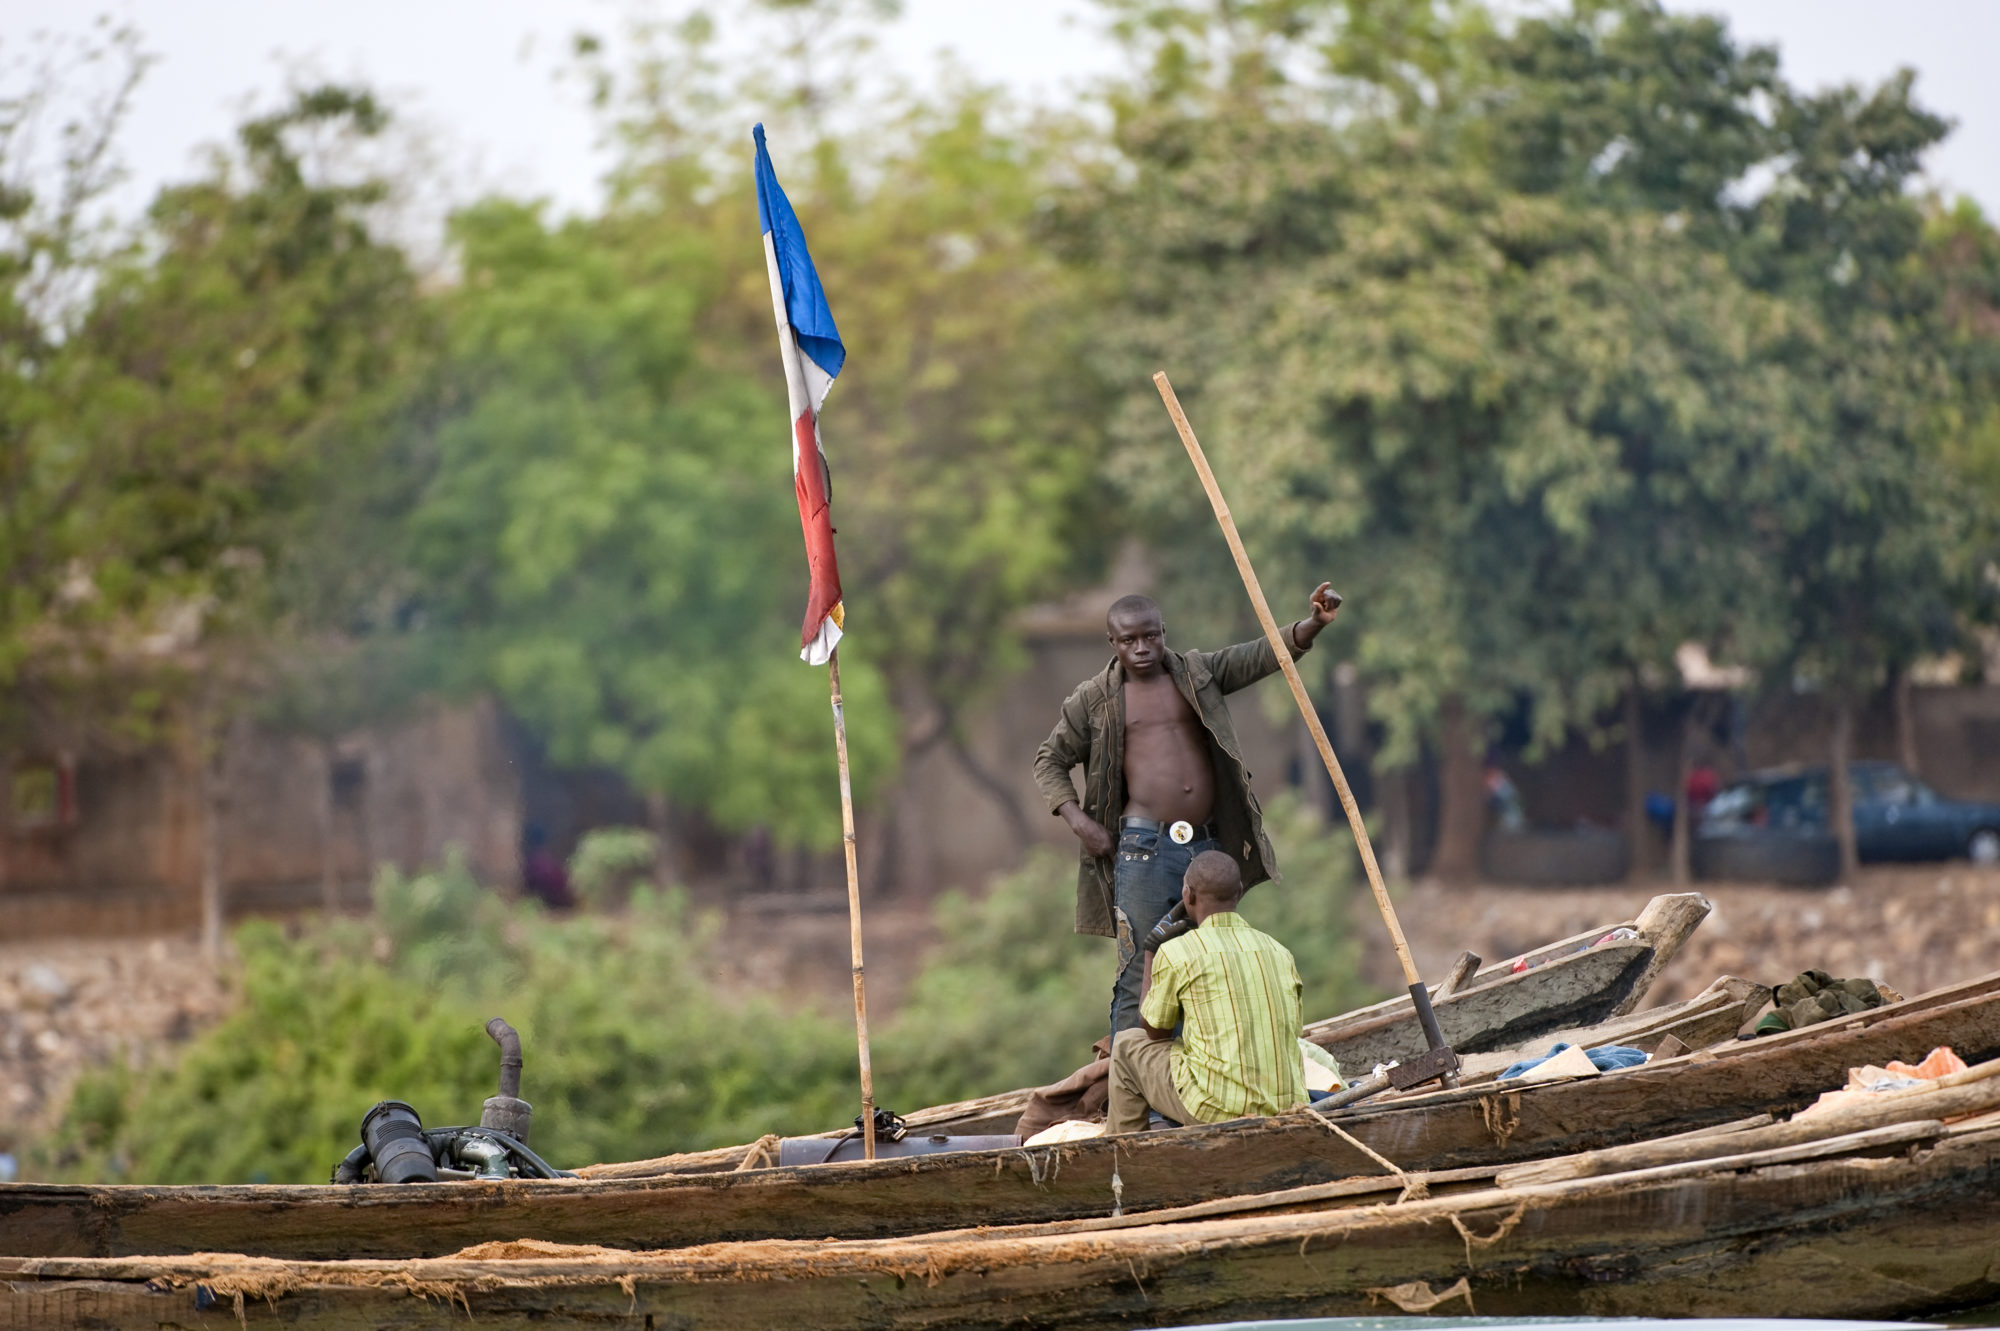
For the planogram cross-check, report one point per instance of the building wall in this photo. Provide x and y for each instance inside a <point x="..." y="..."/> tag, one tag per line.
<point x="131" y="859"/>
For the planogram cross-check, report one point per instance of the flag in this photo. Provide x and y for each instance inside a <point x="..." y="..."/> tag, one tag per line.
<point x="813" y="355"/>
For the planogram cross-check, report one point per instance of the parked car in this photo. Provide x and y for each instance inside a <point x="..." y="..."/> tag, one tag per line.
<point x="1896" y="816"/>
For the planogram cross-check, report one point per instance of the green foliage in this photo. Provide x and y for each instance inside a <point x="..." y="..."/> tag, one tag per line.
<point x="608" y="860"/>
<point x="1527" y="359"/>
<point x="607" y="535"/>
<point x="172" y="399"/>
<point x="631" y="1052"/>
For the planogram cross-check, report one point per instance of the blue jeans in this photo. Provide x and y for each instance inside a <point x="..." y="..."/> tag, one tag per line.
<point x="1147" y="870"/>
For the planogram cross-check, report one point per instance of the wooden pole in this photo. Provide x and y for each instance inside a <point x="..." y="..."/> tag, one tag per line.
<point x="1286" y="664"/>
<point x="853" y="909"/>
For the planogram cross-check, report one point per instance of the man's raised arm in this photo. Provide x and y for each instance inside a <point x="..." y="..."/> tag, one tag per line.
<point x="1244" y="664"/>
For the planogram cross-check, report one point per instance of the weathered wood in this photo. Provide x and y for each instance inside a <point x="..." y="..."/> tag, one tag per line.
<point x="1461" y="970"/>
<point x="1568" y="982"/>
<point x="1713" y="1015"/>
<point x="1666" y="922"/>
<point x="1471" y="1127"/>
<point x="1839" y="1236"/>
<point x="1977" y="1093"/>
<point x="1499" y="1013"/>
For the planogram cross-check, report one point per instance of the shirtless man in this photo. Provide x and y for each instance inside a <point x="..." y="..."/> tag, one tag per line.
<point x="1163" y="776"/>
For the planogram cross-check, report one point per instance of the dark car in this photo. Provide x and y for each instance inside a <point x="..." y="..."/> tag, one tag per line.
<point x="1896" y="816"/>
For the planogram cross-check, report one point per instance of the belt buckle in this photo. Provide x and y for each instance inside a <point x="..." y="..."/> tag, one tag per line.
<point x="1182" y="832"/>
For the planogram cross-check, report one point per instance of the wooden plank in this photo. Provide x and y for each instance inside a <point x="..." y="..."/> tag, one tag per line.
<point x="1839" y="1237"/>
<point x="1976" y="1095"/>
<point x="1666" y="923"/>
<point x="1455" y="978"/>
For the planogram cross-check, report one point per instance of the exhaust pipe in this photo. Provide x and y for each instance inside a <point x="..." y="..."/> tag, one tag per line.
<point x="507" y="1112"/>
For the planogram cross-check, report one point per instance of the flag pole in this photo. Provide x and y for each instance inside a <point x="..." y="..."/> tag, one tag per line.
<point x="853" y="908"/>
<point x="1419" y="992"/>
<point x="804" y="396"/>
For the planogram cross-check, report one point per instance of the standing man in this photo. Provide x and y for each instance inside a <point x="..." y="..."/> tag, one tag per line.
<point x="1235" y="993"/>
<point x="1163" y="777"/>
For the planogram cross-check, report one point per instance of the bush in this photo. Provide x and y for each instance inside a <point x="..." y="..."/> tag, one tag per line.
<point x="631" y="1052"/>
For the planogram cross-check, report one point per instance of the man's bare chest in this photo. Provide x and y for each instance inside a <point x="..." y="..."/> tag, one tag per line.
<point x="1156" y="705"/>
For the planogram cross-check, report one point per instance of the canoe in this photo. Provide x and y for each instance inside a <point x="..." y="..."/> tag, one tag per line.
<point x="1893" y="1220"/>
<point x="1573" y="982"/>
<point x="1479" y="1124"/>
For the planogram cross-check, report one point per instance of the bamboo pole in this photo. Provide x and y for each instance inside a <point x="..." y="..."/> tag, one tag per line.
<point x="853" y="908"/>
<point x="1306" y="709"/>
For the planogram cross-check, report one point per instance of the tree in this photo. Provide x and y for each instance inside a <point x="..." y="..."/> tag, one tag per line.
<point x="1510" y="414"/>
<point x="1518" y="355"/>
<point x="175" y="401"/>
<point x="607" y="533"/>
<point x="1878" y="551"/>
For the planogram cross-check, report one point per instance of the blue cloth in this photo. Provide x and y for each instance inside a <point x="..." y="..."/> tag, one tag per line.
<point x="805" y="299"/>
<point x="1147" y="870"/>
<point x="1605" y="1058"/>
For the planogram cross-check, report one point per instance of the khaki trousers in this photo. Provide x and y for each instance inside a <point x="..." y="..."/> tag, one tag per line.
<point x="1142" y="1078"/>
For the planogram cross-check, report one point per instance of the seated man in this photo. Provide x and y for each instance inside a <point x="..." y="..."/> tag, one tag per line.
<point x="1235" y="993"/>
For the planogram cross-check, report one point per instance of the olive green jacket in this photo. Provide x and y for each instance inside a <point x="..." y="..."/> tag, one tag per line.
<point x="1091" y="731"/>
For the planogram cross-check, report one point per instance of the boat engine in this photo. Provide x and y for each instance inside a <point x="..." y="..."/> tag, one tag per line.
<point x="397" y="1148"/>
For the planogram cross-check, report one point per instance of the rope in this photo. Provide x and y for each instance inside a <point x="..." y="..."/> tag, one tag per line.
<point x="763" y="1153"/>
<point x="1414" y="1189"/>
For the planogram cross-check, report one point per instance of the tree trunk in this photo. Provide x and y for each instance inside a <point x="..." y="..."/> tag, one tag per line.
<point x="1461" y="796"/>
<point x="1638" y="837"/>
<point x="1840" y="788"/>
<point x="1697" y="727"/>
<point x="994" y="788"/>
<point x="1679" y="854"/>
<point x="329" y="871"/>
<point x="1906" y="721"/>
<point x="1398" y="839"/>
<point x="208" y="756"/>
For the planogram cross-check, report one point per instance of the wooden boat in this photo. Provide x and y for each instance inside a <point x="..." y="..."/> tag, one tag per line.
<point x="307" y="1222"/>
<point x="1886" y="1211"/>
<point x="1478" y="1125"/>
<point x="1573" y="982"/>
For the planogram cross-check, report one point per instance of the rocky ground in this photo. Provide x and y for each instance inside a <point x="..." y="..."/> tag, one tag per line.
<point x="1913" y="927"/>
<point x="68" y="1004"/>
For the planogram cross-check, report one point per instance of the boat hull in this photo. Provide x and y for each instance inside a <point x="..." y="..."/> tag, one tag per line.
<point x="1909" y="1232"/>
<point x="1471" y="1127"/>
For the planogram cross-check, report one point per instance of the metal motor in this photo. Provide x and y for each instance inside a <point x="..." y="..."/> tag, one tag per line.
<point x="397" y="1148"/>
<point x="393" y="1136"/>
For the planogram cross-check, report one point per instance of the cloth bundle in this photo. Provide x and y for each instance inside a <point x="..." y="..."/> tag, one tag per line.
<point x="1605" y="1058"/>
<point x="1814" y="996"/>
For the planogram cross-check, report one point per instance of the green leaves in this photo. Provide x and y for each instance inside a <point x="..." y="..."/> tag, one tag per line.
<point x="1534" y="368"/>
<point x="631" y="1051"/>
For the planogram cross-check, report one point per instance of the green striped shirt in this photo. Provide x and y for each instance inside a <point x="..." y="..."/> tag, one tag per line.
<point x="1236" y="992"/>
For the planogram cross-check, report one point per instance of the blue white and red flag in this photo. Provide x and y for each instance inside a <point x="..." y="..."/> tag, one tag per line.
<point x="813" y="355"/>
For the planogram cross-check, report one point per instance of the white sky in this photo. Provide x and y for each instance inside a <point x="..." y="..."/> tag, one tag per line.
<point x="479" y="77"/>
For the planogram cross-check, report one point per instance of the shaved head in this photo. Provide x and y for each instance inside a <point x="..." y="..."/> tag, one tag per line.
<point x="1215" y="879"/>
<point x="1131" y="606"/>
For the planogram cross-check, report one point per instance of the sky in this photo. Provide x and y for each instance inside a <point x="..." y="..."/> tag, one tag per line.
<point x="480" y="81"/>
